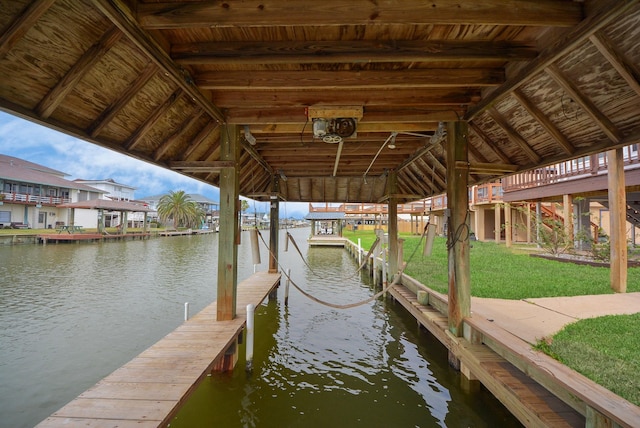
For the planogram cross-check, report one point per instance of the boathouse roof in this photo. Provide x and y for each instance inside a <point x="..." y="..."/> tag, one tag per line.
<point x="107" y="204"/>
<point x="331" y="215"/>
<point x="329" y="98"/>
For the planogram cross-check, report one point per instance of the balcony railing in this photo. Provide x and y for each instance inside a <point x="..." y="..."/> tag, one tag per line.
<point x="583" y="167"/>
<point x="24" y="198"/>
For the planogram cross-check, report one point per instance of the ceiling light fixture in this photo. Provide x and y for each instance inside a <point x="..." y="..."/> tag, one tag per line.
<point x="392" y="141"/>
<point x="249" y="136"/>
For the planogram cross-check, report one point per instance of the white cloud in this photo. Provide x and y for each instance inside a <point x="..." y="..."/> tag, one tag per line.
<point x="81" y="159"/>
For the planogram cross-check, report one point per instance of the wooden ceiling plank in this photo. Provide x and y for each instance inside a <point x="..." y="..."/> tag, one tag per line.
<point x="351" y="52"/>
<point x="124" y="19"/>
<point x="22" y="23"/>
<point x="181" y="130"/>
<point x="431" y="78"/>
<point x="65" y="85"/>
<point x="629" y="71"/>
<point x="336" y="12"/>
<point x="544" y="122"/>
<point x="603" y="122"/>
<point x="488" y="143"/>
<point x="199" y="139"/>
<point x="257" y="157"/>
<point x="512" y="134"/>
<point x="605" y="12"/>
<point x="152" y="119"/>
<point x="123" y="99"/>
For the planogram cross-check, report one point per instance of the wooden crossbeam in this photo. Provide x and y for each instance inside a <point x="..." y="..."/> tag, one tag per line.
<point x="513" y="135"/>
<point x="352" y="52"/>
<point x="431" y="78"/>
<point x="200" y="166"/>
<point x="153" y="16"/>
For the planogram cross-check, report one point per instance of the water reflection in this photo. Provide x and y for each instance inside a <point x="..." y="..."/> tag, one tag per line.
<point x="71" y="314"/>
<point x="316" y="366"/>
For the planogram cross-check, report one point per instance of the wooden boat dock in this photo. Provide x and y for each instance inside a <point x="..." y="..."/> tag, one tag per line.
<point x="327" y="241"/>
<point x="149" y="390"/>
<point x="87" y="237"/>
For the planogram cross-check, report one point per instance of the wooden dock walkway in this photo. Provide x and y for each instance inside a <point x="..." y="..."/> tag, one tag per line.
<point x="149" y="390"/>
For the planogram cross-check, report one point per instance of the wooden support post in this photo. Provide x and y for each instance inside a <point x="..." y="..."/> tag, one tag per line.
<point x="528" y="223"/>
<point x="567" y="213"/>
<point x="618" y="221"/>
<point x="538" y="222"/>
<point x="274" y="225"/>
<point x="497" y="224"/>
<point x="392" y="227"/>
<point x="508" y="223"/>
<point x="227" y="248"/>
<point x="458" y="230"/>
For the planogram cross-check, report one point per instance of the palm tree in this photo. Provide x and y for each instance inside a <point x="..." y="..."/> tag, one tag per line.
<point x="179" y="207"/>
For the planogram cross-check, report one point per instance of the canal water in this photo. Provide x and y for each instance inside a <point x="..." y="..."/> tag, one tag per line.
<point x="71" y="314"/>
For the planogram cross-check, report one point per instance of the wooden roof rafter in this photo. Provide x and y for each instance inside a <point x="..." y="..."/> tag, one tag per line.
<point x="177" y="134"/>
<point x="603" y="122"/>
<point x="65" y="85"/>
<point x="629" y="71"/>
<point x="123" y="99"/>
<point x="152" y="119"/>
<point x="30" y="16"/>
<point x="513" y="135"/>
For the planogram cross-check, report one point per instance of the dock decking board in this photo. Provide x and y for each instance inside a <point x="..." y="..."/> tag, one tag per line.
<point x="531" y="403"/>
<point x="148" y="390"/>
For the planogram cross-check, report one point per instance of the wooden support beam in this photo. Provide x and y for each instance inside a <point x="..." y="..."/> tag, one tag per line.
<point x="123" y="99"/>
<point x="603" y="122"/>
<point x="262" y="98"/>
<point x="303" y="13"/>
<point x="513" y="135"/>
<point x="627" y="69"/>
<point x="617" y="220"/>
<point x="173" y="138"/>
<point x="119" y="13"/>
<point x="544" y="122"/>
<point x="488" y="143"/>
<point x="488" y="168"/>
<point x="366" y="79"/>
<point x="65" y="85"/>
<point x="604" y="13"/>
<point x="458" y="231"/>
<point x="23" y="23"/>
<point x="152" y="119"/>
<point x="199" y="139"/>
<point x="227" y="238"/>
<point x="392" y="224"/>
<point x="201" y="166"/>
<point x="274" y="224"/>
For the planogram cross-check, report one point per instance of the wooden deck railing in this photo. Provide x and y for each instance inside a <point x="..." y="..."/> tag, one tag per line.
<point x="25" y="198"/>
<point x="585" y="166"/>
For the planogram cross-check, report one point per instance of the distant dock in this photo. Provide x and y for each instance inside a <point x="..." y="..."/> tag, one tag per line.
<point x="149" y="390"/>
<point x="327" y="241"/>
<point x="46" y="238"/>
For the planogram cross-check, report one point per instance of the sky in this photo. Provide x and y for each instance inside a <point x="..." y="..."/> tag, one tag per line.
<point x="80" y="159"/>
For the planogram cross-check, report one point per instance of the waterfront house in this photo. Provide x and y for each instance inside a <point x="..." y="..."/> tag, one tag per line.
<point x="31" y="194"/>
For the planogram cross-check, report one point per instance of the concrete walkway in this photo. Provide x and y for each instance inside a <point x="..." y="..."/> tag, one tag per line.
<point x="533" y="319"/>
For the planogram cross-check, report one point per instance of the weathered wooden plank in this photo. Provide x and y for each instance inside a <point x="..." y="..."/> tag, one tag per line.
<point x="151" y="386"/>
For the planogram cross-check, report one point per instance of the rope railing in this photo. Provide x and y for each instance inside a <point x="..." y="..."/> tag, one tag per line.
<point x="396" y="279"/>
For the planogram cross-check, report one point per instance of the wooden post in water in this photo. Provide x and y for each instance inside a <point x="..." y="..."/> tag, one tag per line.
<point x="392" y="208"/>
<point x="227" y="248"/>
<point x="458" y="230"/>
<point x="617" y="221"/>
<point x="274" y="224"/>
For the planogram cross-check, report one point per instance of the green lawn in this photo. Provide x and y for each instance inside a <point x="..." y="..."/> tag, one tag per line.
<point x="605" y="349"/>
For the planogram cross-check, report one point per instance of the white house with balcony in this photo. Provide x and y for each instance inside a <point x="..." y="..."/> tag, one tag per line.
<point x="31" y="194"/>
